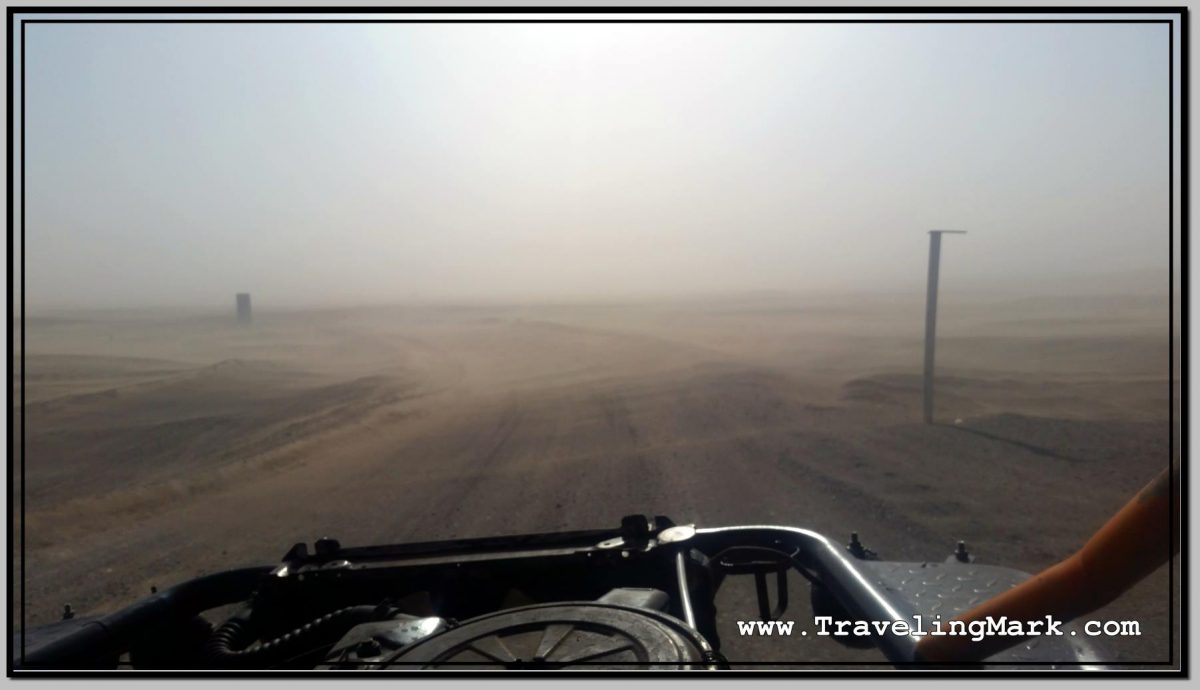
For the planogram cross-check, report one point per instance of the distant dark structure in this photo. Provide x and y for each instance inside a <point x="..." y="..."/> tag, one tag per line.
<point x="931" y="293"/>
<point x="243" y="307"/>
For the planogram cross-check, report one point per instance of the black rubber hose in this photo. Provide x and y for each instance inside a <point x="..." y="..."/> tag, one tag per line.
<point x="229" y="644"/>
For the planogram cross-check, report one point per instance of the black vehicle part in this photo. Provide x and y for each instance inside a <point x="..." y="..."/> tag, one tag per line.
<point x="759" y="562"/>
<point x="100" y="642"/>
<point x="562" y="635"/>
<point x="173" y="647"/>
<point x="228" y="645"/>
<point x="474" y="579"/>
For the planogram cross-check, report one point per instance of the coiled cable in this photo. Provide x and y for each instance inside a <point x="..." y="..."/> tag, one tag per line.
<point x="229" y="644"/>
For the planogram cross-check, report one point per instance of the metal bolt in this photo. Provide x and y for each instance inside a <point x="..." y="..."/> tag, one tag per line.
<point x="68" y="614"/>
<point x="961" y="552"/>
<point x="855" y="546"/>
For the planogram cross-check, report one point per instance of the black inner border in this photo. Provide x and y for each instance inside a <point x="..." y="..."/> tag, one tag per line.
<point x="1180" y="19"/>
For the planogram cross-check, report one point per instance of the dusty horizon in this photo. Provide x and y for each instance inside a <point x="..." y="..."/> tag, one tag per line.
<point x="1147" y="284"/>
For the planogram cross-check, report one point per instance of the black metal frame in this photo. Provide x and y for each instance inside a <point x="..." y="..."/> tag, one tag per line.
<point x="652" y="552"/>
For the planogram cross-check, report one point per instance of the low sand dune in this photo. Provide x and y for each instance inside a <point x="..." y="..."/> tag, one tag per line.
<point x="159" y="449"/>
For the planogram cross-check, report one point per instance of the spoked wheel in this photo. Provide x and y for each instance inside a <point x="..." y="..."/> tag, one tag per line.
<point x="552" y="636"/>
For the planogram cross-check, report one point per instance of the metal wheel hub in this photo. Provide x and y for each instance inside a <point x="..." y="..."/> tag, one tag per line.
<point x="567" y="635"/>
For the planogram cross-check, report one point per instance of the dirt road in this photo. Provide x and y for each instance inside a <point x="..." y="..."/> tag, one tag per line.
<point x="159" y="451"/>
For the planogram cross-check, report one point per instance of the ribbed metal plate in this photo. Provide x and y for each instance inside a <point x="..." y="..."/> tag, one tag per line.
<point x="950" y="588"/>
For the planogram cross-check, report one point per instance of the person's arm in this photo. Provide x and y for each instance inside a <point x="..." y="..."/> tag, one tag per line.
<point x="1130" y="546"/>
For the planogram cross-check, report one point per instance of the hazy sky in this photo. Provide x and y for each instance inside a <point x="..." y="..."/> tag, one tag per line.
<point x="337" y="163"/>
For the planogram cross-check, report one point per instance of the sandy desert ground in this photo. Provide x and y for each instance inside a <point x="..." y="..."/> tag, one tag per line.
<point x="163" y="446"/>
